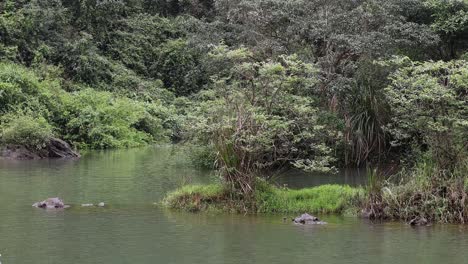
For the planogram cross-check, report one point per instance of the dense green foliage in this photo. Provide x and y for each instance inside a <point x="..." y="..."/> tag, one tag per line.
<point x="251" y="85"/>
<point x="32" y="108"/>
<point x="430" y="108"/>
<point x="257" y="117"/>
<point x="26" y="130"/>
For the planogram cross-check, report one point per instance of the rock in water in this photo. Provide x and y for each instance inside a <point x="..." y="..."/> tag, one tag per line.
<point x="307" y="219"/>
<point x="87" y="205"/>
<point x="51" y="203"/>
<point x="419" y="221"/>
<point x="101" y="204"/>
<point x="55" y="148"/>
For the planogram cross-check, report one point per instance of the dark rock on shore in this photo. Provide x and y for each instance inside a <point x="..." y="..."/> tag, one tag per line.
<point x="51" y="203"/>
<point x="307" y="219"/>
<point x="55" y="149"/>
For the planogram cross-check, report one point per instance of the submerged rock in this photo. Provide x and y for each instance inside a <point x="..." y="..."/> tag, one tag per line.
<point x="55" y="149"/>
<point x="419" y="221"/>
<point x="51" y="203"/>
<point x="307" y="219"/>
<point x="101" y="204"/>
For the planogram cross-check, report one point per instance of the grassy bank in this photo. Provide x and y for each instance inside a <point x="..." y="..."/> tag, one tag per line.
<point x="439" y="196"/>
<point x="425" y="192"/>
<point x="267" y="199"/>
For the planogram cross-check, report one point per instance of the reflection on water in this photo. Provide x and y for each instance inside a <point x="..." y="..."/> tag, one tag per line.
<point x="133" y="230"/>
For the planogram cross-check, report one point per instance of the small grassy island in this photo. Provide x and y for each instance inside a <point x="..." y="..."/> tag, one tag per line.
<point x="334" y="199"/>
<point x="427" y="195"/>
<point x="251" y="88"/>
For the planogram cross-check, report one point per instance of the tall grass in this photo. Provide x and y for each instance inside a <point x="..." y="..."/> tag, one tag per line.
<point x="374" y="203"/>
<point x="235" y="158"/>
<point x="428" y="192"/>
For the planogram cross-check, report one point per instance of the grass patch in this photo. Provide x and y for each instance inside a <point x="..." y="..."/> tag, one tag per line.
<point x="321" y="199"/>
<point x="267" y="199"/>
<point x="195" y="198"/>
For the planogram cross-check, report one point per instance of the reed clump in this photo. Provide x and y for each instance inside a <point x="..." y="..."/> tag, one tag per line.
<point x="427" y="192"/>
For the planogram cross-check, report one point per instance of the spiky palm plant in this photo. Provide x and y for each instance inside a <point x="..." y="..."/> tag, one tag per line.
<point x="365" y="116"/>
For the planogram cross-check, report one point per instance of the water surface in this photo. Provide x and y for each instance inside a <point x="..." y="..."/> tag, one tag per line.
<point x="130" y="229"/>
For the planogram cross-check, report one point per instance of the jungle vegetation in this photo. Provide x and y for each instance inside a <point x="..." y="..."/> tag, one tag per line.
<point x="251" y="85"/>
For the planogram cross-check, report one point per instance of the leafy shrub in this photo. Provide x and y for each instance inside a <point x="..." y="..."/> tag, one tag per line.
<point x="87" y="118"/>
<point x="136" y="42"/>
<point x="202" y="156"/>
<point x="257" y="117"/>
<point x="127" y="83"/>
<point x="154" y="47"/>
<point x="429" y="105"/>
<point x="26" y="130"/>
<point x="178" y="66"/>
<point x="83" y="62"/>
<point x="158" y="121"/>
<point x="102" y="120"/>
<point x="18" y="86"/>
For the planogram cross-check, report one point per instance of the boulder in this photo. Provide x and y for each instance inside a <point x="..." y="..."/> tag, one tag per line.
<point x="101" y="204"/>
<point x="419" y="221"/>
<point x="58" y="148"/>
<point x="55" y="149"/>
<point x="51" y="203"/>
<point x="307" y="219"/>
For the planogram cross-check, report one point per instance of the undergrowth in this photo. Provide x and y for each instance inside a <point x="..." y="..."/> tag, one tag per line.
<point x="427" y="192"/>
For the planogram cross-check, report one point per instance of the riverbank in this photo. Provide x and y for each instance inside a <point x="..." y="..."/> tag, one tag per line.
<point x="423" y="195"/>
<point x="52" y="148"/>
<point x="425" y="192"/>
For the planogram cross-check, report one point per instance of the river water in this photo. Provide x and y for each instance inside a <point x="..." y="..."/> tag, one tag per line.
<point x="131" y="229"/>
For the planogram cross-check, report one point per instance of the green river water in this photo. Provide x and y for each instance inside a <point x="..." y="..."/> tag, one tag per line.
<point x="131" y="229"/>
